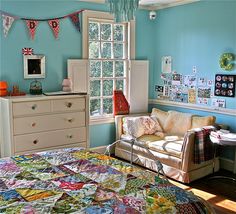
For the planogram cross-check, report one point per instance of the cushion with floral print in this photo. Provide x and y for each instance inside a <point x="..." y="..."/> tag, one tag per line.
<point x="138" y="126"/>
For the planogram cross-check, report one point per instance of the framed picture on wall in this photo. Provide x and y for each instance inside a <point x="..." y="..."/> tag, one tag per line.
<point x="225" y="85"/>
<point x="34" y="66"/>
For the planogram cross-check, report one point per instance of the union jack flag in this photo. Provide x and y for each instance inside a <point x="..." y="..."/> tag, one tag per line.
<point x="27" y="51"/>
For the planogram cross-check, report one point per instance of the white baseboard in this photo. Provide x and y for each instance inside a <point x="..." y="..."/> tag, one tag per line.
<point x="226" y="164"/>
<point x="99" y="149"/>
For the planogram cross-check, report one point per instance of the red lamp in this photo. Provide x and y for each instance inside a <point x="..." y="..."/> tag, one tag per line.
<point x="3" y="88"/>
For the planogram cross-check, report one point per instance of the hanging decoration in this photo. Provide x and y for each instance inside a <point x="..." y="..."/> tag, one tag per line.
<point x="123" y="10"/>
<point x="27" y="51"/>
<point x="32" y="25"/>
<point x="7" y="22"/>
<point x="75" y="19"/>
<point x="226" y="61"/>
<point x="54" y="23"/>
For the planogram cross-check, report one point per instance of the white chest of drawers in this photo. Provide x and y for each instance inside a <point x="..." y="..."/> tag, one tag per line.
<point x="37" y="123"/>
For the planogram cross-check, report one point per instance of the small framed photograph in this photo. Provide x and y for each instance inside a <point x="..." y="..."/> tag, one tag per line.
<point x="34" y="66"/>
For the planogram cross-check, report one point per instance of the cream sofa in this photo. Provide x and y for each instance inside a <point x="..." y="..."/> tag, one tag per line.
<point x="174" y="149"/>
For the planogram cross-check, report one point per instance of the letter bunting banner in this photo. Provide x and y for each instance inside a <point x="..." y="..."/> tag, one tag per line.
<point x="54" y="24"/>
<point x="32" y="24"/>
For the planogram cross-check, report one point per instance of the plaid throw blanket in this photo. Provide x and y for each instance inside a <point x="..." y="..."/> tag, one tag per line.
<point x="203" y="147"/>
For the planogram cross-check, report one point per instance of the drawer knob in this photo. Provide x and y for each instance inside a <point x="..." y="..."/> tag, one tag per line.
<point x="68" y="105"/>
<point x="35" y="141"/>
<point x="70" y="120"/>
<point x="70" y="136"/>
<point x="33" y="124"/>
<point x="33" y="107"/>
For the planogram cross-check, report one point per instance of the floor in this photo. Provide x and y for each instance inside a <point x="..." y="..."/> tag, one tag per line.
<point x="220" y="193"/>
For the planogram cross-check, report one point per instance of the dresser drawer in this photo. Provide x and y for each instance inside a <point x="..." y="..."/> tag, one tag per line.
<point x="28" y="125"/>
<point x="30" y="108"/>
<point x="49" y="139"/>
<point x="73" y="104"/>
<point x="79" y="145"/>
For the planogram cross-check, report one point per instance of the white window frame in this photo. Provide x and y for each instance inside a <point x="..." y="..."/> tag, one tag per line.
<point x="89" y="14"/>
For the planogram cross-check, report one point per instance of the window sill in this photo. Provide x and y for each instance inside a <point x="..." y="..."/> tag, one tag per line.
<point x="101" y="120"/>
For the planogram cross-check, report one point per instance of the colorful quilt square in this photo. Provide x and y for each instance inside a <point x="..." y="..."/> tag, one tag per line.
<point x="33" y="164"/>
<point x="9" y="197"/>
<point x="8" y="168"/>
<point x="25" y="158"/>
<point x="48" y="173"/>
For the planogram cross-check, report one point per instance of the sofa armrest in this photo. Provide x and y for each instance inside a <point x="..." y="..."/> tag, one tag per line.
<point x="119" y="122"/>
<point x="188" y="149"/>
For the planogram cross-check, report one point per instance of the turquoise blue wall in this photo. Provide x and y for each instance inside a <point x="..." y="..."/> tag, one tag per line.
<point x="196" y="35"/>
<point x="68" y="45"/>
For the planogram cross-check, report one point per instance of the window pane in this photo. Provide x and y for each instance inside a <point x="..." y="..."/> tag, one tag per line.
<point x="94" y="50"/>
<point x="119" y="68"/>
<point x="95" y="68"/>
<point x="106" y="50"/>
<point x="95" y="107"/>
<point x="120" y="85"/>
<point x="107" y="106"/>
<point x="118" y="50"/>
<point x="118" y="32"/>
<point x="107" y="69"/>
<point x="107" y="87"/>
<point x="93" y="31"/>
<point x="95" y="88"/>
<point x="106" y="31"/>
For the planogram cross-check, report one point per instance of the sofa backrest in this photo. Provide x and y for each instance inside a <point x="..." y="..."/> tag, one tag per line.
<point x="178" y="123"/>
<point x="161" y="116"/>
<point x="198" y="122"/>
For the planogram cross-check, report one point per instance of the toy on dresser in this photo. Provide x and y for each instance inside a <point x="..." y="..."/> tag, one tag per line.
<point x="36" y="87"/>
<point x="67" y="85"/>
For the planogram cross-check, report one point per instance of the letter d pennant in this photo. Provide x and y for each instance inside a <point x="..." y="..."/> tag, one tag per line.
<point x="32" y="25"/>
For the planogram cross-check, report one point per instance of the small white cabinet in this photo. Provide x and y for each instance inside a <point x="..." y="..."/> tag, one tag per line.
<point x="36" y="123"/>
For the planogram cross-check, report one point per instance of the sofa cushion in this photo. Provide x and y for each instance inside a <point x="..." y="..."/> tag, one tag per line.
<point x="177" y="123"/>
<point x="144" y="154"/>
<point x="138" y="126"/>
<point x="161" y="116"/>
<point x="150" y="138"/>
<point x="198" y="122"/>
<point x="170" y="145"/>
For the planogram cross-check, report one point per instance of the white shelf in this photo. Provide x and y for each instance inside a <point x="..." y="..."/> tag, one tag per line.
<point x="231" y="112"/>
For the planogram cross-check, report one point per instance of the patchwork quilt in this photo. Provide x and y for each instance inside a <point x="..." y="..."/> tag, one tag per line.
<point x="76" y="180"/>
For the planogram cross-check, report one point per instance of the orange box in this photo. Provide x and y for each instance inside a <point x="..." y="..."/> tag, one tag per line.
<point x="3" y="88"/>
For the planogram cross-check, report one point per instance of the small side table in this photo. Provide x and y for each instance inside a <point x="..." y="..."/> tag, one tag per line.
<point x="225" y="142"/>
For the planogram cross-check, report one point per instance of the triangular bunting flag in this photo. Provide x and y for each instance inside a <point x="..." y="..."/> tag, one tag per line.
<point x="75" y="19"/>
<point x="7" y="22"/>
<point x="54" y="24"/>
<point x="32" y="25"/>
